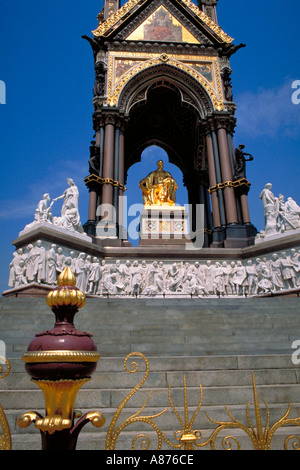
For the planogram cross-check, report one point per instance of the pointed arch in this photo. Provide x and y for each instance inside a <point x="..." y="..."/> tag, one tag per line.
<point x="195" y="90"/>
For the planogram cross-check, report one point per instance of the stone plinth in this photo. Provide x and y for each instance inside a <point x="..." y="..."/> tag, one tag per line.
<point x="164" y="225"/>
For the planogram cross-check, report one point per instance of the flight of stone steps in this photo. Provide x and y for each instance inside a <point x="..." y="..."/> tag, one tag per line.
<point x="175" y="327"/>
<point x="213" y="343"/>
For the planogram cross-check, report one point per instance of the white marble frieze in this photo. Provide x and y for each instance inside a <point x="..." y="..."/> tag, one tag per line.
<point x="42" y="262"/>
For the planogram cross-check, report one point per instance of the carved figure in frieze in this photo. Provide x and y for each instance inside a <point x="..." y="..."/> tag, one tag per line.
<point x="218" y="281"/>
<point x="162" y="274"/>
<point x="277" y="279"/>
<point x="51" y="274"/>
<point x="127" y="278"/>
<point x="12" y="268"/>
<point x="18" y="257"/>
<point x="208" y="272"/>
<point x="88" y="263"/>
<point x="155" y="283"/>
<point x="41" y="261"/>
<point x="265" y="277"/>
<point x="94" y="276"/>
<point x="240" y="278"/>
<point x="295" y="258"/>
<point x="117" y="277"/>
<point x="20" y="274"/>
<point x="225" y="270"/>
<point x="137" y="279"/>
<point x="70" y="261"/>
<point x="80" y="272"/>
<point x="231" y="277"/>
<point x="60" y="261"/>
<point x="198" y="270"/>
<point x="288" y="273"/>
<point x="175" y="278"/>
<point x="104" y="275"/>
<point x="32" y="264"/>
<point x="152" y="273"/>
<point x="193" y="287"/>
<point x="252" y="278"/>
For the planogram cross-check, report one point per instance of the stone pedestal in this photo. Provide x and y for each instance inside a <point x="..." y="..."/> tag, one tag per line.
<point x="164" y="225"/>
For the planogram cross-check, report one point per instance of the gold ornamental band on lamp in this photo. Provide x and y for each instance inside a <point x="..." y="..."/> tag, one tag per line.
<point x="60" y="361"/>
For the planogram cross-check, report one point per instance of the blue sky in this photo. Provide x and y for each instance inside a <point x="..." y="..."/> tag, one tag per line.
<point x="46" y="123"/>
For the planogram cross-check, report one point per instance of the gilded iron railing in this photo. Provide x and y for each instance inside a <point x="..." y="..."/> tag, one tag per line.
<point x="187" y="437"/>
<point x="5" y="435"/>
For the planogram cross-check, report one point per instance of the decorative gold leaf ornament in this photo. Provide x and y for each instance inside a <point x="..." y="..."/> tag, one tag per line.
<point x="5" y="437"/>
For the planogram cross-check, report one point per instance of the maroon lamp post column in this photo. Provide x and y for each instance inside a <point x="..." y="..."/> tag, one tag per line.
<point x="60" y="361"/>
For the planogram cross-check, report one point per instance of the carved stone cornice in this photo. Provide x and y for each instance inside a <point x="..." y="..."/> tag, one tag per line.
<point x="156" y="47"/>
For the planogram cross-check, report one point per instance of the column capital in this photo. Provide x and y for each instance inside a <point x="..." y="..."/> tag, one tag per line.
<point x="226" y="122"/>
<point x="109" y="116"/>
<point x="221" y="121"/>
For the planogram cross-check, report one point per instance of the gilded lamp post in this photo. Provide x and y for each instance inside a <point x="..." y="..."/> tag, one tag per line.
<point x="60" y="361"/>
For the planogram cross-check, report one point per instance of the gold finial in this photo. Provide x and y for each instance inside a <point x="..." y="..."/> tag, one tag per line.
<point x="64" y="295"/>
<point x="66" y="278"/>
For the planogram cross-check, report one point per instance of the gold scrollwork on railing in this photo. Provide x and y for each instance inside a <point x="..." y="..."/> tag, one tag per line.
<point x="5" y="436"/>
<point x="260" y="437"/>
<point x="188" y="438"/>
<point x="113" y="432"/>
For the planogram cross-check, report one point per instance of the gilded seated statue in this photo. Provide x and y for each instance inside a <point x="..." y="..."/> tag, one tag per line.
<point x="159" y="187"/>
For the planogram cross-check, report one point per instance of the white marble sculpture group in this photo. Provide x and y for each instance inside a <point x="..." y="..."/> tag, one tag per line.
<point x="42" y="262"/>
<point x="69" y="218"/>
<point x="280" y="215"/>
<point x="157" y="278"/>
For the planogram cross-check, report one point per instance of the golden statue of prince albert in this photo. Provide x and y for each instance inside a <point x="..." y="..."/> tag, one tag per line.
<point x="159" y="187"/>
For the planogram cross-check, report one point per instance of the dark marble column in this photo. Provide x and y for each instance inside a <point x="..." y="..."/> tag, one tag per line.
<point x="108" y="163"/>
<point x="227" y="177"/>
<point x="213" y="181"/>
